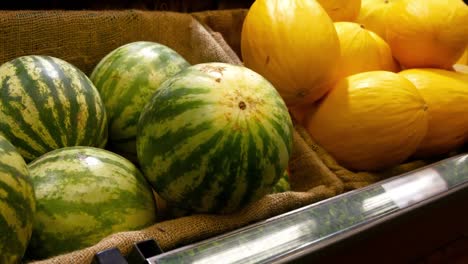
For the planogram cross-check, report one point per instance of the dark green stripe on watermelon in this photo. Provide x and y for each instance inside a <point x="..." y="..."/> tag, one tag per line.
<point x="18" y="175"/>
<point x="272" y="152"/>
<point x="72" y="157"/>
<point x="214" y="138"/>
<point x="115" y="60"/>
<point x="252" y="170"/>
<point x="179" y="167"/>
<point x="7" y="103"/>
<point x="74" y="107"/>
<point x="279" y="129"/>
<point x="46" y="112"/>
<point x="112" y="74"/>
<point x="17" y="204"/>
<point x="52" y="88"/>
<point x="12" y="248"/>
<point x="58" y="242"/>
<point x="230" y="149"/>
<point x="91" y="105"/>
<point x="19" y="142"/>
<point x="126" y="100"/>
<point x="167" y="109"/>
<point x="126" y="79"/>
<point x="103" y="191"/>
<point x="171" y="140"/>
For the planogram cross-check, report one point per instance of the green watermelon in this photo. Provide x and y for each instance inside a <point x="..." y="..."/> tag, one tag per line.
<point x="214" y="137"/>
<point x="283" y="184"/>
<point x="84" y="194"/>
<point x="17" y="204"/>
<point x="46" y="103"/>
<point x="126" y="78"/>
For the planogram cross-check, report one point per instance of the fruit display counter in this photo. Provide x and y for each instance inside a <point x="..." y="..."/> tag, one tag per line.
<point x="283" y="131"/>
<point x="338" y="228"/>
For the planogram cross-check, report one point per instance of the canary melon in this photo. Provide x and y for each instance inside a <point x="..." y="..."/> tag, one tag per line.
<point x="464" y="58"/>
<point x="293" y="44"/>
<point x="446" y="94"/>
<point x="299" y="112"/>
<point x="427" y="33"/>
<point x="341" y="10"/>
<point x="373" y="15"/>
<point x="361" y="50"/>
<point x="370" y="121"/>
<point x="460" y="68"/>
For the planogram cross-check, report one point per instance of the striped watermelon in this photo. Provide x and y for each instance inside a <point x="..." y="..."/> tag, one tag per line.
<point x="46" y="103"/>
<point x="126" y="78"/>
<point x="17" y="204"/>
<point x="214" y="137"/>
<point x="283" y="184"/>
<point x="84" y="194"/>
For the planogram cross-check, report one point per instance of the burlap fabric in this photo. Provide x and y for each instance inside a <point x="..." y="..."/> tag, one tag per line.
<point x="227" y="22"/>
<point x="84" y="37"/>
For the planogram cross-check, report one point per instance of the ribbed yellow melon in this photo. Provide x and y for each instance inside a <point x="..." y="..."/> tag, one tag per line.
<point x="427" y="33"/>
<point x="373" y="15"/>
<point x="446" y="94"/>
<point x="300" y="112"/>
<point x="370" y="121"/>
<point x="460" y="68"/>
<point x="361" y="50"/>
<point x="464" y="58"/>
<point x="341" y="10"/>
<point x="293" y="44"/>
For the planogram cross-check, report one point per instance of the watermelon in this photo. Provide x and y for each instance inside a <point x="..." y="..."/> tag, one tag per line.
<point x="214" y="137"/>
<point x="84" y="194"/>
<point x="283" y="184"/>
<point x="46" y="104"/>
<point x="126" y="78"/>
<point x="17" y="204"/>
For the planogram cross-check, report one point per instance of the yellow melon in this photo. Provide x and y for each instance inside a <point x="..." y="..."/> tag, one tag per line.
<point x="370" y="121"/>
<point x="300" y="112"/>
<point x="464" y="58"/>
<point x="461" y="68"/>
<point x="373" y="15"/>
<point x="341" y="10"/>
<point x="361" y="50"/>
<point x="446" y="94"/>
<point x="293" y="44"/>
<point x="427" y="33"/>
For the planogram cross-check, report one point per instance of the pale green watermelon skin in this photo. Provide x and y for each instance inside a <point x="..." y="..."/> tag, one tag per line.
<point x="214" y="138"/>
<point x="126" y="79"/>
<point x="83" y="195"/>
<point x="283" y="184"/>
<point x="46" y="104"/>
<point x="17" y="204"/>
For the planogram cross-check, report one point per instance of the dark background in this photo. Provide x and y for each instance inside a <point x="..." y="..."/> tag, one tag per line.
<point x="164" y="5"/>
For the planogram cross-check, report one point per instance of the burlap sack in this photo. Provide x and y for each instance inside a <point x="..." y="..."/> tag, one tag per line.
<point x="227" y="22"/>
<point x="83" y="38"/>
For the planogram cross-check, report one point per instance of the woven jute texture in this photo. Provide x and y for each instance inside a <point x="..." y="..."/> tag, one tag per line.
<point x="227" y="22"/>
<point x="84" y="37"/>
